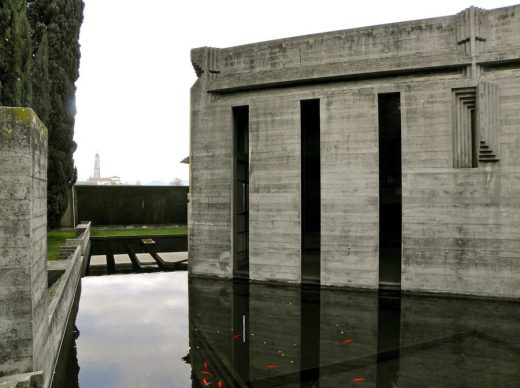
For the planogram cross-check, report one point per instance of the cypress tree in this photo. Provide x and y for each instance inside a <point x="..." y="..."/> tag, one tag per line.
<point x="15" y="54"/>
<point x="59" y="22"/>
<point x="40" y="80"/>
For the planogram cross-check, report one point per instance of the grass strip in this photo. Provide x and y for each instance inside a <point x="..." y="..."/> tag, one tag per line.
<point x="55" y="239"/>
<point x="138" y="232"/>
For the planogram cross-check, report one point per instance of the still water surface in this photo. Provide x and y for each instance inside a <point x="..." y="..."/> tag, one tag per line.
<point x="139" y="330"/>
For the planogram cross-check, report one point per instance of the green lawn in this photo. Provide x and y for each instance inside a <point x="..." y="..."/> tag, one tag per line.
<point x="55" y="239"/>
<point x="137" y="232"/>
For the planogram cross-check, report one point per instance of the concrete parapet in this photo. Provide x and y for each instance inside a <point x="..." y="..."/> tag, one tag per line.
<point x="82" y="233"/>
<point x="61" y="301"/>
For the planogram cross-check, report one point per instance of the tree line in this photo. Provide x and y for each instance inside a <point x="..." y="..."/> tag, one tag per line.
<point x="39" y="64"/>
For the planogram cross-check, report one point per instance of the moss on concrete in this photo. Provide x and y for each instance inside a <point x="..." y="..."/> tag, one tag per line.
<point x="24" y="115"/>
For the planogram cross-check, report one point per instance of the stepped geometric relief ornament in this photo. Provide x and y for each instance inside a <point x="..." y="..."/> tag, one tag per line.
<point x="488" y="121"/>
<point x="475" y="123"/>
<point x="464" y="127"/>
<point x="205" y="60"/>
<point x="471" y="30"/>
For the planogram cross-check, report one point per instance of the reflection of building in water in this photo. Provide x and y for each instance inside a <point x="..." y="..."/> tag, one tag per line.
<point x="273" y="336"/>
<point x="96" y="179"/>
<point x="384" y="156"/>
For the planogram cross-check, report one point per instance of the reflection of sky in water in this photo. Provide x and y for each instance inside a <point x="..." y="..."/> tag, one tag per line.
<point x="134" y="331"/>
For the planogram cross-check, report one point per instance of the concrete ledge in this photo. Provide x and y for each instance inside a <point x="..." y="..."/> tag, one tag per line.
<point x="25" y="380"/>
<point x="60" y="304"/>
<point x="82" y="237"/>
<point x="70" y="267"/>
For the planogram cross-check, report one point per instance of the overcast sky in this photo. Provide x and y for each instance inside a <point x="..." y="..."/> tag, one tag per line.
<point x="135" y="74"/>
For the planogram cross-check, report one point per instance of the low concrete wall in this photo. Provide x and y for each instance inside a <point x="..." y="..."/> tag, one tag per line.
<point x="82" y="239"/>
<point x="129" y="205"/>
<point x="61" y="302"/>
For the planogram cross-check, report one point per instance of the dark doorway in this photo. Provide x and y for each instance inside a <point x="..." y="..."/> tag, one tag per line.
<point x="390" y="202"/>
<point x="310" y="190"/>
<point x="241" y="192"/>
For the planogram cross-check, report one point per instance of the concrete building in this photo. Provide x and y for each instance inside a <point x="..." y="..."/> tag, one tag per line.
<point x="385" y="156"/>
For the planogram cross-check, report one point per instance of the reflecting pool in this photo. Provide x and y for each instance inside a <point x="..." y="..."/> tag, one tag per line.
<point x="132" y="331"/>
<point x="139" y="331"/>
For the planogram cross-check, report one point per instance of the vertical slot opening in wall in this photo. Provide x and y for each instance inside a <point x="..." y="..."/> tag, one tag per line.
<point x="310" y="190"/>
<point x="241" y="192"/>
<point x="390" y="199"/>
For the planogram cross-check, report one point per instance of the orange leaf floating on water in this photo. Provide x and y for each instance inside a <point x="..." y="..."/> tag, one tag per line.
<point x="271" y="366"/>
<point x="359" y="379"/>
<point x="205" y="372"/>
<point x="205" y="365"/>
<point x="220" y="384"/>
<point x="235" y="337"/>
<point x="205" y="382"/>
<point x="347" y="341"/>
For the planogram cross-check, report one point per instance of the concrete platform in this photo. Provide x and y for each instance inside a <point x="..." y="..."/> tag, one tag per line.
<point x="98" y="261"/>
<point x="146" y="259"/>
<point x="173" y="257"/>
<point x="122" y="259"/>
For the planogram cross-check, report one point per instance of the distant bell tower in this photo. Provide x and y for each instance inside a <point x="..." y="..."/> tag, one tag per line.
<point x="97" y="167"/>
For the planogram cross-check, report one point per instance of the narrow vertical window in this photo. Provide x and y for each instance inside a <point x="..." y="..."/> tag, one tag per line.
<point x="390" y="202"/>
<point x="241" y="192"/>
<point x="310" y="190"/>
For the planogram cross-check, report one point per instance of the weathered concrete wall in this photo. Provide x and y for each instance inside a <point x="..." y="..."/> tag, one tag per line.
<point x="349" y="187"/>
<point x="23" y="240"/>
<point x="422" y="43"/>
<point x="210" y="186"/>
<point x="32" y="316"/>
<point x="274" y="191"/>
<point x="460" y="225"/>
